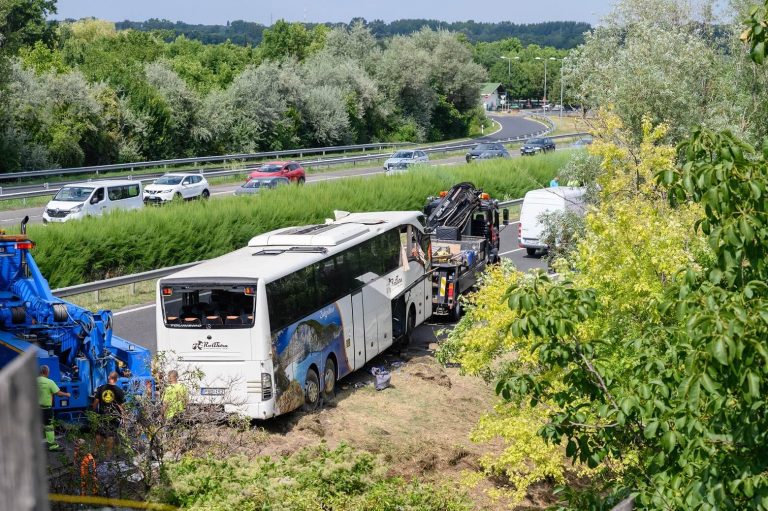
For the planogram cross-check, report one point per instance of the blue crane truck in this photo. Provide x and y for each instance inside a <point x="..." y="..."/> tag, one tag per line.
<point x="464" y="225"/>
<point x="76" y="344"/>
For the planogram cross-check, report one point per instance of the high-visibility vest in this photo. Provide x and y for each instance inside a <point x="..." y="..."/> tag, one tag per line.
<point x="87" y="465"/>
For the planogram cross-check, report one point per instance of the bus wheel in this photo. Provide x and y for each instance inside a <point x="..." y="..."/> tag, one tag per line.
<point x="329" y="380"/>
<point x="411" y="327"/>
<point x="311" y="391"/>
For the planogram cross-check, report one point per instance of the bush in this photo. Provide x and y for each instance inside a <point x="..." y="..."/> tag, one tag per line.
<point x="315" y="478"/>
<point x="131" y="241"/>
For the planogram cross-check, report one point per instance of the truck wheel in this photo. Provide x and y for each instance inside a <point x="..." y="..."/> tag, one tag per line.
<point x="311" y="391"/>
<point x="456" y="312"/>
<point x="531" y="252"/>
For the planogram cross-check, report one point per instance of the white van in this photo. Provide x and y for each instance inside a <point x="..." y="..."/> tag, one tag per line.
<point x="545" y="200"/>
<point x="93" y="198"/>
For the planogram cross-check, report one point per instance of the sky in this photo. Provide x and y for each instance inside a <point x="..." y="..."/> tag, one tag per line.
<point x="218" y="12"/>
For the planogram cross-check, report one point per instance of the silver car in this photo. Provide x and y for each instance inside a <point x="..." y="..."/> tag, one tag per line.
<point x="401" y="160"/>
<point x="258" y="184"/>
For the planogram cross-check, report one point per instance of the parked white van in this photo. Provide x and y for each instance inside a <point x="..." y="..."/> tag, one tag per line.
<point x="93" y="198"/>
<point x="545" y="200"/>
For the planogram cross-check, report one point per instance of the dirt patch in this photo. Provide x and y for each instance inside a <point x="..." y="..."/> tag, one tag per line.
<point x="432" y="373"/>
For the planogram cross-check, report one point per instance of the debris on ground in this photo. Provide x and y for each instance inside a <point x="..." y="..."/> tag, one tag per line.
<point x="429" y="372"/>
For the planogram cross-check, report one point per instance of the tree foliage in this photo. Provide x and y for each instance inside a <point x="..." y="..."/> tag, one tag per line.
<point x="168" y="98"/>
<point x="653" y="351"/>
<point x="671" y="68"/>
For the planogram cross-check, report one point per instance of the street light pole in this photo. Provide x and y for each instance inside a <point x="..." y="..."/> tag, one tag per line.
<point x="562" y="106"/>
<point x="545" y="75"/>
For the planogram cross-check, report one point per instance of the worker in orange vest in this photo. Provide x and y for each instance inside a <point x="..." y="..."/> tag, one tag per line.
<point x="85" y="462"/>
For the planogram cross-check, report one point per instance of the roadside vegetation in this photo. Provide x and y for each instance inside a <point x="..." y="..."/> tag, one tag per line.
<point x="134" y="241"/>
<point x="641" y="371"/>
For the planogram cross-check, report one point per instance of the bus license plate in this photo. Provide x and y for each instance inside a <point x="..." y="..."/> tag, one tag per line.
<point x="212" y="391"/>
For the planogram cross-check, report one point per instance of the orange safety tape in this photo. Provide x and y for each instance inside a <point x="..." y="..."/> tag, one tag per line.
<point x="133" y="504"/>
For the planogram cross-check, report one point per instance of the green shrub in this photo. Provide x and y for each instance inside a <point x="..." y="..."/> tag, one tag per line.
<point x="312" y="479"/>
<point x="132" y="241"/>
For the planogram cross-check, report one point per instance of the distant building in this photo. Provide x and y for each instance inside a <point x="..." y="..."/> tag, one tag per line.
<point x="491" y="95"/>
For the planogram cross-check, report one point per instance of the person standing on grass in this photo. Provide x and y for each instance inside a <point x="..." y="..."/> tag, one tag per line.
<point x="555" y="182"/>
<point x="174" y="397"/>
<point x="46" y="389"/>
<point x="108" y="403"/>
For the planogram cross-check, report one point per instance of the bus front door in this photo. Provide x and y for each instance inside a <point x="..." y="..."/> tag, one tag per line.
<point x="358" y="328"/>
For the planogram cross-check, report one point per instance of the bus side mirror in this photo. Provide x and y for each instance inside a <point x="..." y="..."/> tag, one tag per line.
<point x="505" y="216"/>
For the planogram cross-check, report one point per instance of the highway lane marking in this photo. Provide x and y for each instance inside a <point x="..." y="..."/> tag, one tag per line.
<point x="511" y="251"/>
<point x="135" y="309"/>
<point x="19" y="219"/>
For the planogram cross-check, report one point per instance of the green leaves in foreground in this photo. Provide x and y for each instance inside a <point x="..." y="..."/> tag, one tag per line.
<point x="683" y="394"/>
<point x="755" y="33"/>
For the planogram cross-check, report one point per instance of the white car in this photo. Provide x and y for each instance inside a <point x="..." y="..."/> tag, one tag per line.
<point x="401" y="160"/>
<point x="177" y="186"/>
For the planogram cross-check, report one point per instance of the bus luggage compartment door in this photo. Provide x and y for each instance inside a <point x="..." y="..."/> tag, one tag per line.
<point x="358" y="329"/>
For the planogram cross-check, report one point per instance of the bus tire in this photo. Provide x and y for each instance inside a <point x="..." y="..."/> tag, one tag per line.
<point x="410" y="328"/>
<point x="329" y="380"/>
<point x="311" y="391"/>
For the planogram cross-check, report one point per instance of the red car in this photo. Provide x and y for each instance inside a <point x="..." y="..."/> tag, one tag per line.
<point x="290" y="169"/>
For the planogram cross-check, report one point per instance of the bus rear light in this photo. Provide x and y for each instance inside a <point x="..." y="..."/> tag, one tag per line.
<point x="25" y="245"/>
<point x="249" y="291"/>
<point x="450" y="290"/>
<point x="520" y="234"/>
<point x="167" y="291"/>
<point x="266" y="386"/>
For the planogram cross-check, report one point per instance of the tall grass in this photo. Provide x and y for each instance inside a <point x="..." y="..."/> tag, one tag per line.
<point x="156" y="237"/>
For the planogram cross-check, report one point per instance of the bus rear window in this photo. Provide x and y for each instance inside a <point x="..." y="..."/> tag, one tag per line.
<point x="208" y="307"/>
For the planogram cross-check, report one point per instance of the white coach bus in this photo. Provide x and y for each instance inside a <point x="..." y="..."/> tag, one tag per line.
<point x="276" y="324"/>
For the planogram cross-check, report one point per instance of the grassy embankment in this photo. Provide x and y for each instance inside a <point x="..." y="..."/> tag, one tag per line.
<point x="129" y="242"/>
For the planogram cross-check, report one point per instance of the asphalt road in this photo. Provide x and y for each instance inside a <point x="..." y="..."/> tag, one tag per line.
<point x="511" y="126"/>
<point x="137" y="324"/>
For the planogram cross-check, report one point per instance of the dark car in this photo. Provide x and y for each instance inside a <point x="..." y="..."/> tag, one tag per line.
<point x="487" y="151"/>
<point x="537" y="145"/>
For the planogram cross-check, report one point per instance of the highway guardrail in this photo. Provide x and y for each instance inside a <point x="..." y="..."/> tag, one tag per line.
<point x="100" y="285"/>
<point x="201" y="159"/>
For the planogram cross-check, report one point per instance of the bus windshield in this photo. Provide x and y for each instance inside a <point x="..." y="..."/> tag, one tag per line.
<point x="202" y="306"/>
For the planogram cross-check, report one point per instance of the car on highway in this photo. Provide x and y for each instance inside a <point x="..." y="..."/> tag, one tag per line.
<point x="258" y="184"/>
<point x="93" y="198"/>
<point x="177" y="186"/>
<point x="288" y="169"/>
<point x="537" y="145"/>
<point x="486" y="151"/>
<point x="401" y="160"/>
